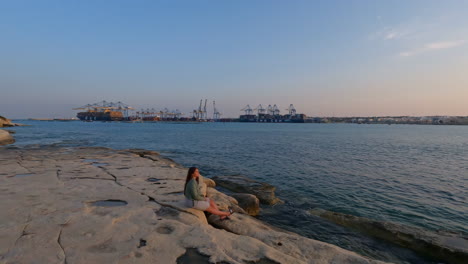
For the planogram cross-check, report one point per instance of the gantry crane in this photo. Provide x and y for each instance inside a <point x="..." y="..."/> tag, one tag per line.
<point x="204" y="113"/>
<point x="291" y="110"/>
<point x="216" y="113"/>
<point x="270" y="110"/>
<point x="276" y="110"/>
<point x="260" y="110"/>
<point x="248" y="110"/>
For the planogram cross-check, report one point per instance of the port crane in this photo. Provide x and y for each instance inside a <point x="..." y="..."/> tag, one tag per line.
<point x="124" y="108"/>
<point x="292" y="110"/>
<point x="105" y="106"/>
<point x="201" y="112"/>
<point x="248" y="110"/>
<point x="270" y="110"/>
<point x="84" y="107"/>
<point x="165" y="113"/>
<point x="216" y="113"/>
<point x="204" y="113"/>
<point x="260" y="110"/>
<point x="198" y="112"/>
<point x="276" y="110"/>
<point x="177" y="113"/>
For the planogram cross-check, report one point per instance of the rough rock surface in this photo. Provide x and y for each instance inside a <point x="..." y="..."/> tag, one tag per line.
<point x="241" y="184"/>
<point x="209" y="182"/>
<point x="97" y="205"/>
<point x="303" y="249"/>
<point x="5" y="122"/>
<point x="248" y="202"/>
<point x="224" y="201"/>
<point x="450" y="248"/>
<point x="6" y="138"/>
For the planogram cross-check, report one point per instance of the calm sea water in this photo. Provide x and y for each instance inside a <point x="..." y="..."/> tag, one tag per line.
<point x="413" y="175"/>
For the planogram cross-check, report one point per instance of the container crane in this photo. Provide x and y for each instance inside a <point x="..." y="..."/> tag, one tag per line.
<point x="248" y="110"/>
<point x="291" y="110"/>
<point x="270" y="110"/>
<point x="276" y="110"/>
<point x="260" y="110"/>
<point x="216" y="113"/>
<point x="204" y="113"/>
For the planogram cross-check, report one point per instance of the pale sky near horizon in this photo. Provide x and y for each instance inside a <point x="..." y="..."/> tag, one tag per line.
<point x="328" y="58"/>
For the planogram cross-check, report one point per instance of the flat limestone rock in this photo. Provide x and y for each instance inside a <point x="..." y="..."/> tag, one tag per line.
<point x="301" y="248"/>
<point x="98" y="205"/>
<point x="241" y="184"/>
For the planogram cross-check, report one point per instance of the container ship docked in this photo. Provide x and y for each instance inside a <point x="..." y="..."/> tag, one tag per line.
<point x="109" y="111"/>
<point x="104" y="111"/>
<point x="271" y="114"/>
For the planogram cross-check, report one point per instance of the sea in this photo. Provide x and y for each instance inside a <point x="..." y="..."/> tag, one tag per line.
<point x="413" y="175"/>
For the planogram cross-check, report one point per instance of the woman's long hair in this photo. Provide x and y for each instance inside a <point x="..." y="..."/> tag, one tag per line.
<point x="190" y="173"/>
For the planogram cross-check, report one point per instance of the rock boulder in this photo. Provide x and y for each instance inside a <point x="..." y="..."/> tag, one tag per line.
<point x="223" y="201"/>
<point x="241" y="184"/>
<point x="6" y="138"/>
<point x="209" y="182"/>
<point x="5" y="122"/>
<point x="248" y="202"/>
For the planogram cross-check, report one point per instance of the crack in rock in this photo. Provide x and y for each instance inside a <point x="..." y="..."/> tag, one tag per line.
<point x="90" y="178"/>
<point x="59" y="242"/>
<point x="58" y="174"/>
<point x="19" y="163"/>
<point x="150" y="158"/>
<point x="23" y="233"/>
<point x="113" y="176"/>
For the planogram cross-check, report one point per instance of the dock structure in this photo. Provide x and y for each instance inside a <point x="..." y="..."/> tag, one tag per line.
<point x="271" y="115"/>
<point x="161" y="115"/>
<point x="201" y="113"/>
<point x="147" y="115"/>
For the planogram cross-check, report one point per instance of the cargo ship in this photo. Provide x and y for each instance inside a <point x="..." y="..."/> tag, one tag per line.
<point x="104" y="111"/>
<point x="271" y="114"/>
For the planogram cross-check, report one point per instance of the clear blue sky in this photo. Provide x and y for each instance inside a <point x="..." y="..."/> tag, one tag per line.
<point x="338" y="58"/>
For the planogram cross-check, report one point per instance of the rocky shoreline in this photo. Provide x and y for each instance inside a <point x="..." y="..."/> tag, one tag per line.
<point x="5" y="135"/>
<point x="99" y="205"/>
<point x="443" y="246"/>
<point x="6" y="138"/>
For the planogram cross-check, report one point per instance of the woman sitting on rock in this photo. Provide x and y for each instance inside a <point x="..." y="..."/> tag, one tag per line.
<point x="195" y="199"/>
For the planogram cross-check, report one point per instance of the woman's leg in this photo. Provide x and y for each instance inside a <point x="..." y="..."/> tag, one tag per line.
<point x="215" y="211"/>
<point x="213" y="204"/>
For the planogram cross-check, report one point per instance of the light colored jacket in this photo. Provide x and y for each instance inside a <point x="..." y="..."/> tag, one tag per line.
<point x="192" y="191"/>
<point x="202" y="185"/>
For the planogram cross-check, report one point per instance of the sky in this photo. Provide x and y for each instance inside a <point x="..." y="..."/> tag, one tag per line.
<point x="328" y="58"/>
